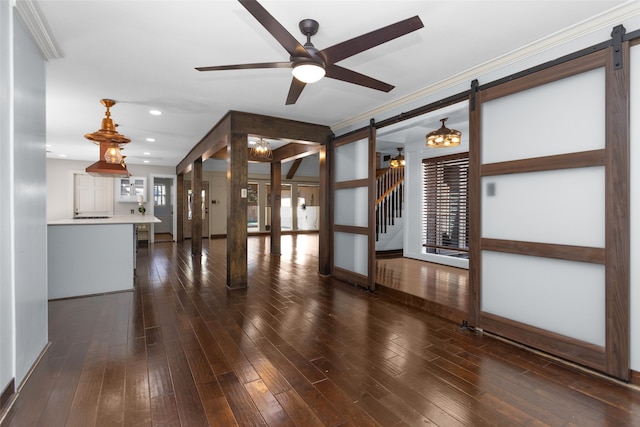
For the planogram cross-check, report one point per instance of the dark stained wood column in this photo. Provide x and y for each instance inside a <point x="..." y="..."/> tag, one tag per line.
<point x="180" y="207"/>
<point x="237" y="210"/>
<point x="276" y="202"/>
<point x="324" y="224"/>
<point x="196" y="220"/>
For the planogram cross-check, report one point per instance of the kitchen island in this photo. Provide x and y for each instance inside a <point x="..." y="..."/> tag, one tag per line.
<point x="92" y="255"/>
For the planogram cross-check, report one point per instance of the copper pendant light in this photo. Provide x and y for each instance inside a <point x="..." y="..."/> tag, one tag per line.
<point x="111" y="143"/>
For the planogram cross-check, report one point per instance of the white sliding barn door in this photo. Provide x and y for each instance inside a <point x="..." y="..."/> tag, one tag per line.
<point x="352" y="194"/>
<point x="550" y="266"/>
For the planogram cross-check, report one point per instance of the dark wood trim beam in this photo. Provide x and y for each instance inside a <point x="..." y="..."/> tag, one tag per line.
<point x="210" y="144"/>
<point x="546" y="250"/>
<point x="475" y="210"/>
<point x="548" y="75"/>
<point x="237" y="275"/>
<point x="350" y="277"/>
<point x="180" y="197"/>
<point x="196" y="219"/>
<point x="356" y="183"/>
<point x="371" y="209"/>
<point x="325" y="215"/>
<point x="276" y="127"/>
<point x="276" y="203"/>
<point x="294" y="168"/>
<point x="294" y="151"/>
<point x="546" y="163"/>
<point x="582" y="352"/>
<point x="351" y="229"/>
<point x="617" y="207"/>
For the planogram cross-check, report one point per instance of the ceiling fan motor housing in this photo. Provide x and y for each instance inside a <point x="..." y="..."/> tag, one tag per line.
<point x="309" y="27"/>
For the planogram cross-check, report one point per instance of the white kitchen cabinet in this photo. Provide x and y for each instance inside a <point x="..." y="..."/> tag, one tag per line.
<point x="128" y="189"/>
<point x="93" y="195"/>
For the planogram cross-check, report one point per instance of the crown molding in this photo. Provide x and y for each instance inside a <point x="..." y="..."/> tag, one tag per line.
<point x="30" y="15"/>
<point x="605" y="20"/>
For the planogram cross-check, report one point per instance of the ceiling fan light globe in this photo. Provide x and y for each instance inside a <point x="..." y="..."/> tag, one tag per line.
<point x="308" y="73"/>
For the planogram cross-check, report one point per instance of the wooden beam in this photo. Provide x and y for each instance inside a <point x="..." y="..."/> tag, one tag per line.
<point x="294" y="151"/>
<point x="180" y="208"/>
<point x="196" y="212"/>
<point x="294" y="168"/>
<point x="325" y="215"/>
<point x="237" y="211"/>
<point x="210" y="144"/>
<point x="276" y="203"/>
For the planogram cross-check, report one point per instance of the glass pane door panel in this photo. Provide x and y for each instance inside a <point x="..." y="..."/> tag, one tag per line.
<point x="556" y="118"/>
<point x="565" y="297"/>
<point x="564" y="207"/>
<point x="350" y="206"/>
<point x="351" y="252"/>
<point x="351" y="161"/>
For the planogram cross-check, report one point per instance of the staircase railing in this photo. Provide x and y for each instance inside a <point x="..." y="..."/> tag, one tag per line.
<point x="389" y="193"/>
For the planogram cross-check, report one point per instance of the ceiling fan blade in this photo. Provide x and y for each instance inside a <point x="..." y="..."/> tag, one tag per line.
<point x="339" y="73"/>
<point x="377" y="37"/>
<point x="246" y="66"/>
<point x="276" y="29"/>
<point x="294" y="91"/>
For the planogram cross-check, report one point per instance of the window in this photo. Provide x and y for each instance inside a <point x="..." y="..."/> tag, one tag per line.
<point x="252" y="207"/>
<point x="445" y="218"/>
<point x="159" y="194"/>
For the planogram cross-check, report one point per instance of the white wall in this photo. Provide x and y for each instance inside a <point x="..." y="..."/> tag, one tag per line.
<point x="30" y="253"/>
<point x="60" y="186"/>
<point x="7" y="338"/>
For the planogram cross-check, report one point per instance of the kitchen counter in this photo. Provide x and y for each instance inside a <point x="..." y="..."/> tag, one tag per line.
<point x="92" y="256"/>
<point x="115" y="219"/>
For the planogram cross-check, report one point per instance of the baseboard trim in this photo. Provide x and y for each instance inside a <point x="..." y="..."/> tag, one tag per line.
<point x="635" y="378"/>
<point x="393" y="253"/>
<point x="6" y="398"/>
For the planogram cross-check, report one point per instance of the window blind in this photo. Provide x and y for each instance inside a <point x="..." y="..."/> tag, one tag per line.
<point x="445" y="205"/>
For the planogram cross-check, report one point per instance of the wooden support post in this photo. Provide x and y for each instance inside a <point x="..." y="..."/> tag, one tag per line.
<point x="180" y="207"/>
<point x="324" y="220"/>
<point x="237" y="210"/>
<point x="276" y="202"/>
<point x="196" y="220"/>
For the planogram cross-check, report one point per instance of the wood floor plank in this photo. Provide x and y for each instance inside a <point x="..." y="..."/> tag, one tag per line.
<point x="267" y="404"/>
<point x="244" y="409"/>
<point x="110" y="410"/>
<point x="293" y="348"/>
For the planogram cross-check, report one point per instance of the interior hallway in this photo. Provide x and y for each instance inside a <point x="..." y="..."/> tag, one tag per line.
<point x="292" y="349"/>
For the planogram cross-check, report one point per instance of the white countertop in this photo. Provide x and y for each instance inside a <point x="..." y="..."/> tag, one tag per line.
<point x="115" y="219"/>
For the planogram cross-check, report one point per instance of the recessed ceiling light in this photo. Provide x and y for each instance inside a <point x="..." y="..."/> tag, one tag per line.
<point x="155" y="112"/>
<point x="145" y="161"/>
<point x="151" y="140"/>
<point x="146" y="153"/>
<point x="62" y="155"/>
<point x="48" y="145"/>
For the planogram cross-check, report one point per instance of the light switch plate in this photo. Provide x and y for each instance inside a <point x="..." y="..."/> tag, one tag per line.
<point x="243" y="193"/>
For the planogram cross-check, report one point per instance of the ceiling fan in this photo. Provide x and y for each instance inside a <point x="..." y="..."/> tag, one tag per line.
<point x="310" y="64"/>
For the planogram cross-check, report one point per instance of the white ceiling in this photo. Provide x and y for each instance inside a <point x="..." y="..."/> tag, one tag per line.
<point x="143" y="53"/>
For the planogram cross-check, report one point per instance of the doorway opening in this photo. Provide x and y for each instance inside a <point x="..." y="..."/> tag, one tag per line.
<point x="163" y="197"/>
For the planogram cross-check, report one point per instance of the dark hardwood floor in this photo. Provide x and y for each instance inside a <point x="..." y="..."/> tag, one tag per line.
<point x="292" y="349"/>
